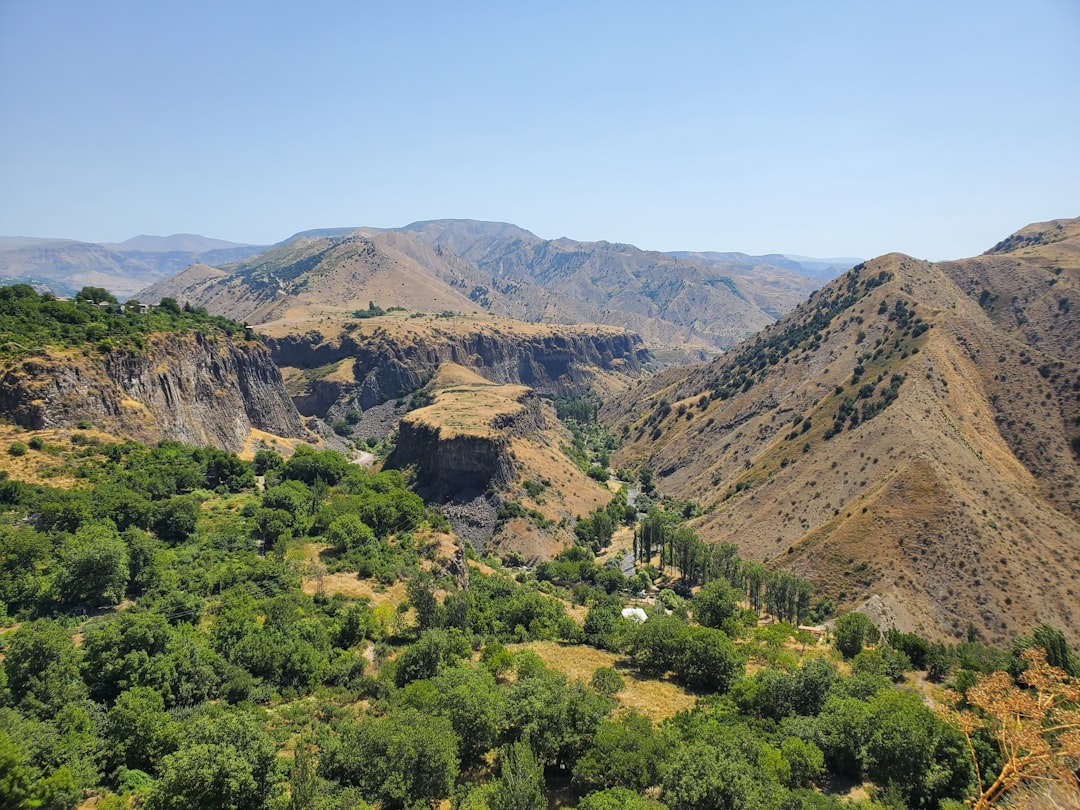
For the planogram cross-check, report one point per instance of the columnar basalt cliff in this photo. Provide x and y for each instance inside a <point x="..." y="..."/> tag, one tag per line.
<point x="377" y="362"/>
<point x="197" y="388"/>
<point x="460" y="445"/>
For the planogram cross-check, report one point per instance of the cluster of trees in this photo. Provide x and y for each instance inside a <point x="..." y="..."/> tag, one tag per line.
<point x="696" y="562"/>
<point x="595" y="531"/>
<point x="226" y="683"/>
<point x="94" y="318"/>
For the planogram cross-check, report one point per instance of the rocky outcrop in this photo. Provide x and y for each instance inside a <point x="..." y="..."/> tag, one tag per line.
<point x="199" y="388"/>
<point x="455" y="465"/>
<point x="556" y="363"/>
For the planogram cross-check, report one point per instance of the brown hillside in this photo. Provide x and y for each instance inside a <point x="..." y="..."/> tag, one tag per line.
<point x="311" y="277"/>
<point x="892" y="436"/>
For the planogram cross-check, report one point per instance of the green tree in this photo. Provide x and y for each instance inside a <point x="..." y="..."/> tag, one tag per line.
<point x="17" y="776"/>
<point x="95" y="295"/>
<point x="909" y="747"/>
<point x="852" y="632"/>
<point x="400" y="759"/>
<point x="806" y="761"/>
<point x="436" y="650"/>
<point x="842" y="732"/>
<point x="618" y="798"/>
<point x="421" y="592"/>
<point x="657" y="645"/>
<point x="42" y="669"/>
<point x="349" y="532"/>
<point x="226" y="763"/>
<point x="626" y="752"/>
<point x="706" y="776"/>
<point x="475" y="706"/>
<point x="175" y="519"/>
<point x="607" y="681"/>
<point x="521" y="780"/>
<point x="93" y="567"/>
<point x="126" y="651"/>
<point x="708" y="660"/>
<point x="138" y="729"/>
<point x="266" y="461"/>
<point x="715" y="603"/>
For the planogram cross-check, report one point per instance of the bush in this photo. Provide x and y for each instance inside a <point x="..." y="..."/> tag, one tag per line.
<point x="607" y="681"/>
<point x="17" y="449"/>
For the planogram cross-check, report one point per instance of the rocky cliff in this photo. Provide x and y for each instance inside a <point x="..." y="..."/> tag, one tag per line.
<point x="197" y="388"/>
<point x="381" y="359"/>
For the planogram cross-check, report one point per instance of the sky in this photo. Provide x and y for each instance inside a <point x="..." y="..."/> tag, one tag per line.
<point x="814" y="127"/>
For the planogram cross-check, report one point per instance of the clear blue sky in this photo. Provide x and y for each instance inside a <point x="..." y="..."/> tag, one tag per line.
<point x="818" y="127"/>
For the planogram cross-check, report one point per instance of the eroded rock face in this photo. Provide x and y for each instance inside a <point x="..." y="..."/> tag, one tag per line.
<point x="197" y="388"/>
<point x="455" y="466"/>
<point x="384" y="369"/>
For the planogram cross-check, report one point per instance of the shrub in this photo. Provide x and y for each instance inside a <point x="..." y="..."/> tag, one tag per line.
<point x="17" y="449"/>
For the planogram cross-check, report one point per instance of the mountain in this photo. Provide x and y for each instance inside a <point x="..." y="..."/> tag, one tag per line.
<point x="825" y="269"/>
<point x="675" y="301"/>
<point x="686" y="305"/>
<point x="911" y="432"/>
<point x="320" y="275"/>
<point x="177" y="243"/>
<point x="63" y="266"/>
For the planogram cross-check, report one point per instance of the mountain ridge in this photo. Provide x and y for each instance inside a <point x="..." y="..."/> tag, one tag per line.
<point x="897" y="434"/>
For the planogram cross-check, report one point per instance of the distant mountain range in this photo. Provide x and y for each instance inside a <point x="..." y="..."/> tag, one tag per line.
<point x="64" y="266"/>
<point x="683" y="305"/>
<point x="690" y="303"/>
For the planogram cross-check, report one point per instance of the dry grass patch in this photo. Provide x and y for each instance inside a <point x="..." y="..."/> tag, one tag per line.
<point x="657" y="699"/>
<point x="43" y="466"/>
<point x="470" y="409"/>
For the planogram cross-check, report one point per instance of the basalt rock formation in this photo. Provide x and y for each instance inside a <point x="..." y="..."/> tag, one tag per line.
<point x="368" y="362"/>
<point x="199" y="388"/>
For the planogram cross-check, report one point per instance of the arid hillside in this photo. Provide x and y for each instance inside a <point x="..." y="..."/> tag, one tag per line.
<point x="909" y="432"/>
<point x="684" y="308"/>
<point x="679" y="303"/>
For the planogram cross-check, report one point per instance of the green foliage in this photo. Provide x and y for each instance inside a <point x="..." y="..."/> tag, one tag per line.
<point x="17" y="449"/>
<point x="41" y="669"/>
<point x="719" y="775"/>
<point x="434" y="651"/>
<point x="715" y="603"/>
<point x="158" y="703"/>
<point x="852" y="631"/>
<point x="399" y="760"/>
<point x="521" y="780"/>
<point x="607" y="681"/>
<point x="93" y="567"/>
<point x="31" y="321"/>
<point x="1058" y="652"/>
<point x="372" y="311"/>
<point x="625" y="752"/>
<point x="226" y="762"/>
<point x="619" y="799"/>
<point x="267" y="461"/>
<point x="805" y="760"/>
<point x="708" y="660"/>
<point x="139" y="731"/>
